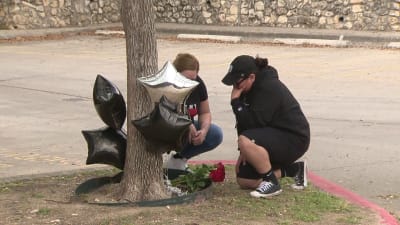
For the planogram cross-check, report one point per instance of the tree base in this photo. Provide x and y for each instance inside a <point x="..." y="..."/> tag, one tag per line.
<point x="95" y="183"/>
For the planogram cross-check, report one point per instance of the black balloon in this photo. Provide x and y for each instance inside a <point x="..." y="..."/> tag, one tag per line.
<point x="106" y="146"/>
<point x="109" y="103"/>
<point x="164" y="125"/>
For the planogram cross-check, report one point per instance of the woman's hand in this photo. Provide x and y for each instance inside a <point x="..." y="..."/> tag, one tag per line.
<point x="241" y="161"/>
<point x="199" y="137"/>
<point x="192" y="132"/>
<point x="196" y="137"/>
<point x="236" y="92"/>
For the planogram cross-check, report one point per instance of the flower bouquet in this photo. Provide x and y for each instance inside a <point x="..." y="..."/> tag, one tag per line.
<point x="200" y="178"/>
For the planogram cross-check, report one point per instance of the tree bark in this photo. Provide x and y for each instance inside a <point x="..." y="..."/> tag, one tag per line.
<point x="143" y="177"/>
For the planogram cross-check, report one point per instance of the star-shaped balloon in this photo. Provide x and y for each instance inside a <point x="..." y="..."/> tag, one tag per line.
<point x="165" y="126"/>
<point x="106" y="146"/>
<point x="109" y="102"/>
<point x="168" y="82"/>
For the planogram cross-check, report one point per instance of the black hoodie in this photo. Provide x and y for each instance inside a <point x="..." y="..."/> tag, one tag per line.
<point x="269" y="103"/>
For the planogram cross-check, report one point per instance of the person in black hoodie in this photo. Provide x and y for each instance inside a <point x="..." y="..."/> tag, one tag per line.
<point x="272" y="130"/>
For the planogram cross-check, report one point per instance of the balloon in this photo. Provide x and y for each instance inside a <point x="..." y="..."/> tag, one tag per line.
<point x="168" y="82"/>
<point x="109" y="103"/>
<point x="106" y="145"/>
<point x="164" y="125"/>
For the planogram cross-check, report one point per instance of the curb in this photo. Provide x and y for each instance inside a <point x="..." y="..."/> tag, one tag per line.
<point x="393" y="45"/>
<point x="330" y="187"/>
<point x="242" y="39"/>
<point x="234" y="39"/>
<point x="320" y="42"/>
<point x="231" y="35"/>
<point x="339" y="191"/>
<point x="261" y="32"/>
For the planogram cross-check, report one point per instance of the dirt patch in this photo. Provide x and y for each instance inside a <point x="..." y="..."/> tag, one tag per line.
<point x="52" y="200"/>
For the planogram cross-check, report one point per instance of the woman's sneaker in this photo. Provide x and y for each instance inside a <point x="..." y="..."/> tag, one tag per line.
<point x="176" y="162"/>
<point x="300" y="179"/>
<point x="266" y="189"/>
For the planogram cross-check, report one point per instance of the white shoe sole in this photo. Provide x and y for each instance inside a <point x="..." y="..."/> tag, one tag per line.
<point x="175" y="164"/>
<point x="257" y="194"/>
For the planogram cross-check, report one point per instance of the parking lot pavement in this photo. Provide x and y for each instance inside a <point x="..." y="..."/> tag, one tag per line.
<point x="350" y="96"/>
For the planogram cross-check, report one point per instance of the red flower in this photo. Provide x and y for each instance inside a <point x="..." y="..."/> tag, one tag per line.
<point x="218" y="174"/>
<point x="192" y="112"/>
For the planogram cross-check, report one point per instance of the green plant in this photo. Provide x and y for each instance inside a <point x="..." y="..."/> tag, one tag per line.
<point x="44" y="211"/>
<point x="37" y="195"/>
<point x="194" y="181"/>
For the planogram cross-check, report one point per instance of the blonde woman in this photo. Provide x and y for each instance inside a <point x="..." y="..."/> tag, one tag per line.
<point x="204" y="135"/>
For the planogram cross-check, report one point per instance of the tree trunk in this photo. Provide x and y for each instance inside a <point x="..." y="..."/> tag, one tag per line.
<point x="142" y="178"/>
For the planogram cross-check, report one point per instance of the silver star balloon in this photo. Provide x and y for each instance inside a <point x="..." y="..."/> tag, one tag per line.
<point x="169" y="82"/>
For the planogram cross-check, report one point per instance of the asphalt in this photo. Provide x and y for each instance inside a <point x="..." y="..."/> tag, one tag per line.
<point x="291" y="36"/>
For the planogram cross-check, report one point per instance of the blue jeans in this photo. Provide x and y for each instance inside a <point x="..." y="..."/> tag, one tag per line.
<point x="212" y="140"/>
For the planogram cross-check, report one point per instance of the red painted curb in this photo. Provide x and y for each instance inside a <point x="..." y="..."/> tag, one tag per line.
<point x="339" y="191"/>
<point x="329" y="187"/>
<point x="225" y="162"/>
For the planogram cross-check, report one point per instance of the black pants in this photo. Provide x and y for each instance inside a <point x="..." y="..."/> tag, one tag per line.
<point x="283" y="148"/>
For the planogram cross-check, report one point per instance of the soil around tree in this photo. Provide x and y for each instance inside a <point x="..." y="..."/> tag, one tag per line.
<point x="52" y="200"/>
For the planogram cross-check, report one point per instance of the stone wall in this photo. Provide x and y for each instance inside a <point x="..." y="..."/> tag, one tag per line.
<point x="23" y="14"/>
<point x="383" y="15"/>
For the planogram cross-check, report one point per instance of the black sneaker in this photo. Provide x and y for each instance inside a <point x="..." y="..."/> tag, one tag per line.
<point x="266" y="189"/>
<point x="300" y="179"/>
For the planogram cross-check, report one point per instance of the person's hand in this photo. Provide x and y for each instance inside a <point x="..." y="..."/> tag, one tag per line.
<point x="192" y="133"/>
<point x="236" y="92"/>
<point x="241" y="161"/>
<point x="199" y="137"/>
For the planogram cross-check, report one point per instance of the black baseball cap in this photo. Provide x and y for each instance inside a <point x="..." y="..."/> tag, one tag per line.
<point x="240" y="68"/>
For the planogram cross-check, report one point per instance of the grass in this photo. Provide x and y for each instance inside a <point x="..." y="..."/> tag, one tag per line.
<point x="291" y="207"/>
<point x="51" y="197"/>
<point x="43" y="211"/>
